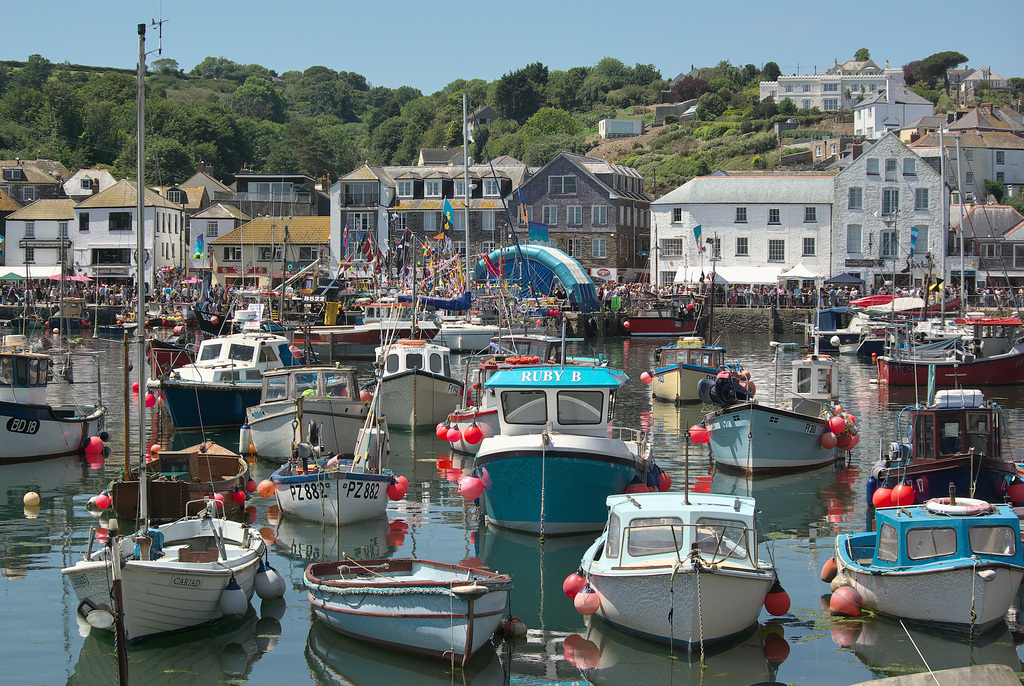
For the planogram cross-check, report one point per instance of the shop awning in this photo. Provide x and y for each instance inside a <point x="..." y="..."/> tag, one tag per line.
<point x="750" y="275"/>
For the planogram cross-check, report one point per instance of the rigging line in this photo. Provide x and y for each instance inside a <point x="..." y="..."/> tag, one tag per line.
<point x="919" y="654"/>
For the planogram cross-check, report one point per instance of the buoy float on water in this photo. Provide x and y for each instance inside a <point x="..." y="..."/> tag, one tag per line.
<point x="846" y="601"/>
<point x="829" y="570"/>
<point x="573" y="584"/>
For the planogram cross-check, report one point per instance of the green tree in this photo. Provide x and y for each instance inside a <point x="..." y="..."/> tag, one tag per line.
<point x="645" y="74"/>
<point x="259" y="98"/>
<point x="862" y="55"/>
<point x="771" y="71"/>
<point x="787" y="107"/>
<point x="709" y="106"/>
<point x="548" y="122"/>
<point x="453" y="134"/>
<point x="517" y="96"/>
<point x="997" y="189"/>
<point x="932" y="70"/>
<point x="766" y="109"/>
<point x="481" y="134"/>
<point x="386" y="139"/>
<point x="166" y="66"/>
<point x="214" y="68"/>
<point x="64" y="112"/>
<point x="564" y="88"/>
<point x="23" y="105"/>
<point x="35" y="73"/>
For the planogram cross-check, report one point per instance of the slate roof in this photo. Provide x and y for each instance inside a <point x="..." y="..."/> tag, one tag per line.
<point x="266" y="230"/>
<point x="125" y="194"/>
<point x="898" y="95"/>
<point x="991" y="221"/>
<point x="222" y="211"/>
<point x="7" y="203"/>
<point x="439" y="155"/>
<point x="58" y="209"/>
<point x="52" y="168"/>
<point x="995" y="140"/>
<point x="981" y="119"/>
<point x="753" y="190"/>
<point x="508" y="167"/>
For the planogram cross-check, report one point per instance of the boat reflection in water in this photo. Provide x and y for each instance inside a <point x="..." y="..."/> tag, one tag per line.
<point x="334" y="659"/>
<point x="539" y="565"/>
<point x="224" y="654"/>
<point x="302" y="543"/>
<point x="607" y="656"/>
<point x="796" y="502"/>
<point x="882" y="644"/>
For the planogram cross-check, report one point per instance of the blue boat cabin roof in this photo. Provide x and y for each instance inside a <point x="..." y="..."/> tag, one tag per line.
<point x="915" y="536"/>
<point x="548" y="376"/>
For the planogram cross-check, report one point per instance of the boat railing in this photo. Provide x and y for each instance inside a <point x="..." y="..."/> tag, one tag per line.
<point x="710" y="544"/>
<point x="627" y="434"/>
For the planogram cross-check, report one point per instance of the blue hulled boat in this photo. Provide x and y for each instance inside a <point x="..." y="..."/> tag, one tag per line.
<point x="557" y="456"/>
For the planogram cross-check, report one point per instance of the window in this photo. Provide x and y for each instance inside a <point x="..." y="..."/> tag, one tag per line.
<point x="776" y="250"/>
<point x="175" y="196"/>
<point x="677" y="215"/>
<point x="487" y="221"/>
<point x="405" y="188"/>
<point x="574" y="215"/>
<point x="873" y="167"/>
<point x="432" y="188"/>
<point x="811" y="214"/>
<point x="923" y="544"/>
<point x="830" y="87"/>
<point x="992" y="540"/>
<point x="655" y="536"/>
<point x="401" y="221"/>
<point x="991" y="250"/>
<point x="818" y="150"/>
<point x="1000" y="176"/>
<point x="773" y="216"/>
<point x="854" y="242"/>
<point x="921" y="244"/>
<point x="550" y="215"/>
<point x="970" y="178"/>
<point x="83" y="222"/>
<point x="599" y="247"/>
<point x="672" y="247"/>
<point x="574" y="247"/>
<point x="920" y="198"/>
<point x="86" y="184"/>
<point x="721" y="538"/>
<point x="890" y="169"/>
<point x="233" y="253"/>
<point x="742" y="246"/>
<point x="30" y="255"/>
<point x="491" y="188"/>
<point x="120" y="221"/>
<point x="1000" y="157"/>
<point x="267" y="255"/>
<point x="889" y="247"/>
<point x="888" y="543"/>
<point x="460" y="247"/>
<point x="855" y="199"/>
<point x="807" y="88"/>
<point x="62" y="229"/>
<point x="308" y="253"/>
<point x="459" y="223"/>
<point x="741" y="215"/>
<point x="968" y="155"/>
<point x="716" y="247"/>
<point x="460" y="188"/>
<point x="561" y="185"/>
<point x="909" y="167"/>
<point x="789" y="88"/>
<point x="430" y="222"/>
<point x="212" y="229"/>
<point x="488" y="247"/>
<point x="890" y="200"/>
<point x="808" y="247"/>
<point x="30" y="230"/>
<point x="599" y="213"/>
<point x="1018" y="256"/>
<point x="529" y="214"/>
<point x="830" y="104"/>
<point x="580" y="407"/>
<point x="805" y="103"/>
<point x="832" y="149"/>
<point x="28" y="193"/>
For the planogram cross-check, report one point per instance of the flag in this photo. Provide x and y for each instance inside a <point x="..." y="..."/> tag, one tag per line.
<point x="200" y="248"/>
<point x="696" y="235"/>
<point x="538" y="233"/>
<point x="344" y="243"/>
<point x="936" y="286"/>
<point x="522" y="208"/>
<point x="368" y="247"/>
<point x="913" y="239"/>
<point x="492" y="268"/>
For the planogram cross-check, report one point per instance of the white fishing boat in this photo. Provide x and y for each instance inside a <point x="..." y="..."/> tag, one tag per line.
<point x="462" y="335"/>
<point x="331" y="491"/>
<point x="431" y="608"/>
<point x="31" y="428"/>
<point x="417" y="387"/>
<point x="677" y="569"/>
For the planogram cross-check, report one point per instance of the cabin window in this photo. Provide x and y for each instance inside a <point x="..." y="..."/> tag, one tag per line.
<point x="435" y="363"/>
<point x="722" y="537"/>
<point x="447" y="366"/>
<point x="825" y="381"/>
<point x="950" y="443"/>
<point x="252" y="375"/>
<point x="978" y="431"/>
<point x="267" y="354"/>
<point x="336" y="385"/>
<point x="993" y="540"/>
<point x="923" y="438"/>
<point x="240" y="353"/>
<point x="930" y="542"/>
<point x="611" y="540"/>
<point x="655" y="536"/>
<point x="392" y="363"/>
<point x="580" y="407"/>
<point x="414" y="361"/>
<point x="210" y="352"/>
<point x="305" y="384"/>
<point x="803" y="380"/>
<point x="6" y="371"/>
<point x="888" y="543"/>
<point x="277" y="388"/>
<point x="524" y="407"/>
<point x="670" y="358"/>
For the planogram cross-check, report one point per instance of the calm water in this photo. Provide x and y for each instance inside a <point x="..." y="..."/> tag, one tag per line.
<point x="44" y="643"/>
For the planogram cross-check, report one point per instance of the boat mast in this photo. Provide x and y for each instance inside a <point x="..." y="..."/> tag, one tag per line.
<point x="140" y="287"/>
<point x="465" y="171"/>
<point x="945" y="234"/>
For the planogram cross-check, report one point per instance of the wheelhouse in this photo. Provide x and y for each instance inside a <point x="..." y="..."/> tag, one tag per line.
<point x="324" y="382"/>
<point x="959" y="422"/>
<point x="417" y="355"/>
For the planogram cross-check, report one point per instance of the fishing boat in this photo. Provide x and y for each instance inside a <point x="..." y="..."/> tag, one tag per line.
<point x="417" y="387"/>
<point x="294" y="398"/>
<point x="958" y="440"/>
<point x="225" y="379"/>
<point x="180" y="481"/>
<point x="410" y="605"/>
<point x="677" y="569"/>
<point x="661" y="318"/>
<point x="557" y="455"/>
<point x="840" y="326"/>
<point x="681" y="365"/>
<point x="178" y="576"/>
<point x="748" y="436"/>
<point x="33" y="429"/>
<point x="464" y="335"/>
<point x="956" y="562"/>
<point x="168" y="355"/>
<point x="360" y="341"/>
<point x="993" y="355"/>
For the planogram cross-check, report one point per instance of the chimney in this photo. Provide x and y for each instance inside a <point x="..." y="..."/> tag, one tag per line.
<point x="95" y="186"/>
<point x="888" y="82"/>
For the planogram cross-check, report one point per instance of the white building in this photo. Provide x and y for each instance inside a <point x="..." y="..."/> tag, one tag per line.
<point x="86" y="182"/>
<point x="104" y="233"/>
<point x="211" y="223"/>
<point x="889" y="109"/>
<point x="881" y="199"/>
<point x="760" y="225"/>
<point x="38" y="237"/>
<point x="837" y="89"/>
<point x="995" y="155"/>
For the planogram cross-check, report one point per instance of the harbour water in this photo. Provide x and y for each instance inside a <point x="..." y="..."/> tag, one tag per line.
<point x="44" y="643"/>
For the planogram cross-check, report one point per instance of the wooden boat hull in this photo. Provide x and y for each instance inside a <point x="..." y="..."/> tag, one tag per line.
<point x="410" y="605"/>
<point x="659" y="326"/>
<point x="31" y="432"/>
<point x="272" y="431"/>
<point x="678" y="383"/>
<point x="996" y="370"/>
<point x="418" y="398"/>
<point x="208" y="405"/>
<point x="757" y="438"/>
<point x="331" y="496"/>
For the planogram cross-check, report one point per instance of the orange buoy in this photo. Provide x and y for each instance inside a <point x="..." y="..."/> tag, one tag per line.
<point x="902" y="495"/>
<point x="265" y="488"/>
<point x="777" y="601"/>
<point x="776" y="649"/>
<point x="846" y="601"/>
<point x="587" y="601"/>
<point x="573" y="584"/>
<point x="882" y="497"/>
<point x="829" y="570"/>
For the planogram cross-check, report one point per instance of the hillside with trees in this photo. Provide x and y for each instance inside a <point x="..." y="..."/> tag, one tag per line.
<point x="324" y="123"/>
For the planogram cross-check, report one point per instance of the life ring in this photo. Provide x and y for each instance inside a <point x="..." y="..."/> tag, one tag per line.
<point x="967" y="507"/>
<point x="178" y="314"/>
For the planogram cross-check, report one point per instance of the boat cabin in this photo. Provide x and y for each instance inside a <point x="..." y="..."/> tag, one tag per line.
<point x="572" y="399"/>
<point x="690" y="350"/>
<point x="238" y="358"/>
<point x="993" y="336"/>
<point x="916" y="536"/>
<point x="815" y="383"/>
<point x="645" y="529"/>
<point x="410" y="354"/>
<point x="324" y="382"/>
<point x="23" y="373"/>
<point x="960" y="421"/>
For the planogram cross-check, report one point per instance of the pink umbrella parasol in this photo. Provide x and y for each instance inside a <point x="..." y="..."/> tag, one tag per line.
<point x="81" y="277"/>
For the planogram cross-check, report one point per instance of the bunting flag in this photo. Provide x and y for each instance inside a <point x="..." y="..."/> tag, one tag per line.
<point x="696" y="235"/>
<point x="492" y="268"/>
<point x="522" y="208"/>
<point x="368" y="252"/>
<point x="538" y="233"/>
<point x="936" y="286"/>
<point x="344" y="243"/>
<point x="200" y="250"/>
<point x="913" y="239"/>
<point x="448" y="218"/>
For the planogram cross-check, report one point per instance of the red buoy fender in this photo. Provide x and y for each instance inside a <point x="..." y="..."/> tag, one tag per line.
<point x="829" y="570"/>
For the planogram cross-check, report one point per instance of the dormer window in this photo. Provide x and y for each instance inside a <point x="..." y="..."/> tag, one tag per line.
<point x="491" y="188"/>
<point x="174" y="196"/>
<point x="405" y="188"/>
<point x="13" y="175"/>
<point x="460" y="188"/>
<point x="432" y="188"/>
<point x="87" y="184"/>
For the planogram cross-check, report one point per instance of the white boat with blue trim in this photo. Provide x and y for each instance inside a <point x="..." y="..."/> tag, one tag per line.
<point x="417" y="387"/>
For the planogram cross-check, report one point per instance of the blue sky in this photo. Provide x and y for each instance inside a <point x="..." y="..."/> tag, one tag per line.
<point x="397" y="42"/>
